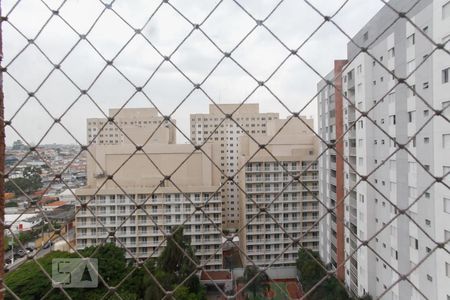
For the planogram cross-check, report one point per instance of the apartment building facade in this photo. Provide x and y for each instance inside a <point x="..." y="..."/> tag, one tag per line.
<point x="224" y="132"/>
<point x="398" y="180"/>
<point x="275" y="207"/>
<point x="130" y="126"/>
<point x="135" y="197"/>
<point x="331" y="163"/>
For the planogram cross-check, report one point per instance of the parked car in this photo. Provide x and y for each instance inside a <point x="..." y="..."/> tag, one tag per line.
<point x="21" y="252"/>
<point x="48" y="244"/>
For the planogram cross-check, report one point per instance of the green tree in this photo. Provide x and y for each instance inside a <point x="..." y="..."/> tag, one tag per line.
<point x="175" y="264"/>
<point x="112" y="264"/>
<point x="170" y="270"/>
<point x="178" y="256"/>
<point x="29" y="281"/>
<point x="33" y="174"/>
<point x="11" y="204"/>
<point x="17" y="185"/>
<point x="29" y="182"/>
<point x="312" y="271"/>
<point x="258" y="282"/>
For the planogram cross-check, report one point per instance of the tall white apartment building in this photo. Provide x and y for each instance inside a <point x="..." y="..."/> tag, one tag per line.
<point x="129" y="197"/>
<point x="279" y="203"/>
<point x="396" y="178"/>
<point x="215" y="127"/>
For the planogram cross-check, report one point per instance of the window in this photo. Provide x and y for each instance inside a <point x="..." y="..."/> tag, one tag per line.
<point x="359" y="69"/>
<point x="445" y="75"/>
<point x="391" y="52"/>
<point x="447" y="269"/>
<point x="446" y="108"/>
<point x="412" y="192"/>
<point x="392" y="118"/>
<point x="414" y="243"/>
<point x="446" y="170"/>
<point x="446" y="10"/>
<point x="392" y="165"/>
<point x="446" y="141"/>
<point x="411" y="40"/>
<point x="412" y="91"/>
<point x="410" y="66"/>
<point x="425" y="85"/>
<point x="392" y="186"/>
<point x="411" y="116"/>
<point x="366" y="35"/>
<point x="447" y="205"/>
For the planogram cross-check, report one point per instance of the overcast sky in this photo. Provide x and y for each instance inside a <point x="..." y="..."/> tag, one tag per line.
<point x="294" y="83"/>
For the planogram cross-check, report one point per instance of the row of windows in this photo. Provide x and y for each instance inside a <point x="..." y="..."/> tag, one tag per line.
<point x="286" y="206"/>
<point x="290" y="165"/>
<point x="101" y="123"/>
<point x="215" y="127"/>
<point x="215" y="138"/>
<point x="234" y="118"/>
<point x="167" y="197"/>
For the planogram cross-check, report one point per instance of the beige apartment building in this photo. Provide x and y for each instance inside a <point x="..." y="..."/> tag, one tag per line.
<point x="225" y="133"/>
<point x="274" y="198"/>
<point x="131" y="125"/>
<point x="128" y="191"/>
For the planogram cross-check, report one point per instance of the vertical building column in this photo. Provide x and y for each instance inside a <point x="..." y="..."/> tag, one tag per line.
<point x="340" y="242"/>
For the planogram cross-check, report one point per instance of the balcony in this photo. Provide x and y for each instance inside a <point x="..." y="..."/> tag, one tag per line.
<point x="309" y="178"/>
<point x="352" y="151"/>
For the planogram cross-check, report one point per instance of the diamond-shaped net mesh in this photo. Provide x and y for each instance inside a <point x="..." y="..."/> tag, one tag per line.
<point x="68" y="61"/>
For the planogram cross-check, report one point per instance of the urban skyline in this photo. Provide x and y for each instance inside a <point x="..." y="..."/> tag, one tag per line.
<point x="316" y="165"/>
<point x="228" y="84"/>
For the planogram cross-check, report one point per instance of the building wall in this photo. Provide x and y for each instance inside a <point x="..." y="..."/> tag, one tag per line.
<point x="331" y="166"/>
<point x="402" y="244"/>
<point x="148" y="167"/>
<point x="131" y="126"/>
<point x="142" y="232"/>
<point x="290" y="205"/>
<point x="213" y="127"/>
<point x="440" y="135"/>
<point x="175" y="185"/>
<point x="397" y="178"/>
